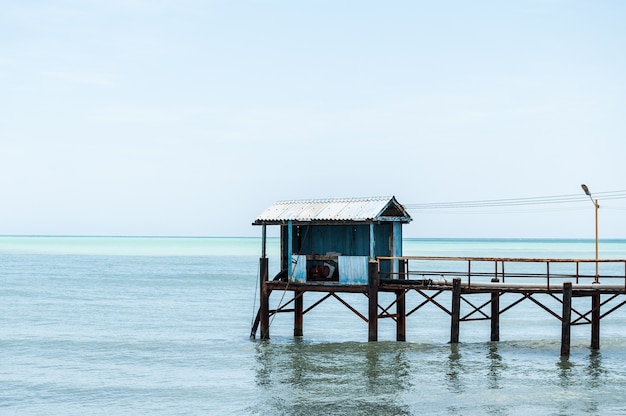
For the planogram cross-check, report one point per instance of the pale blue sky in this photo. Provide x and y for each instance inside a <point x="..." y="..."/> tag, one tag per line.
<point x="137" y="117"/>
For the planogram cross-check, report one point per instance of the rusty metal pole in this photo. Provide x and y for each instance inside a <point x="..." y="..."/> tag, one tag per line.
<point x="456" y="310"/>
<point x="401" y="305"/>
<point x="595" y="321"/>
<point x="372" y="293"/>
<point x="566" y="319"/>
<point x="298" y="315"/>
<point x="264" y="308"/>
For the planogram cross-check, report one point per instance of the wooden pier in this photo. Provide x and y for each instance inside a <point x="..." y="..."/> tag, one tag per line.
<point x="362" y="244"/>
<point x="604" y="298"/>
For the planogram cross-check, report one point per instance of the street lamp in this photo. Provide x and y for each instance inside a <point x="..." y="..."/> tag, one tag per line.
<point x="595" y="203"/>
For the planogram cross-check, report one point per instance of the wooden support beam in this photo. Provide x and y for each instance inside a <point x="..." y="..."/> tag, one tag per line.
<point x="566" y="319"/>
<point x="495" y="316"/>
<point x="298" y="313"/>
<point x="372" y="293"/>
<point x="401" y="305"/>
<point x="264" y="309"/>
<point x="595" y="321"/>
<point x="455" y="310"/>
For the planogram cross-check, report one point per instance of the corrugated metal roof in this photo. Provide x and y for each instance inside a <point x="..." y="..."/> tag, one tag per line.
<point x="333" y="210"/>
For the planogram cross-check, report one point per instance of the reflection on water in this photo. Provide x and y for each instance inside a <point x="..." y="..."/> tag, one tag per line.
<point x="495" y="366"/>
<point x="303" y="378"/>
<point x="596" y="377"/>
<point x="299" y="377"/>
<point x="589" y="376"/>
<point x="595" y="370"/>
<point x="455" y="369"/>
<point x="565" y="371"/>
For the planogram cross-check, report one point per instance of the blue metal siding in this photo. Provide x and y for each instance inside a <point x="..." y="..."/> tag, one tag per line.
<point x="353" y="270"/>
<point x="351" y="240"/>
<point x="397" y="240"/>
<point x="382" y="233"/>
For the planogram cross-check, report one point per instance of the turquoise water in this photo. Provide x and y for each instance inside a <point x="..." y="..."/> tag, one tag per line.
<point x="125" y="325"/>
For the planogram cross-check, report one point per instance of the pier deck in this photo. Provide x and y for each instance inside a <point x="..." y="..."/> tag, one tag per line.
<point x="541" y="281"/>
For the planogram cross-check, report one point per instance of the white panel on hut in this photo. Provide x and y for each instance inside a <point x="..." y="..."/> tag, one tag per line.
<point x="298" y="263"/>
<point x="353" y="270"/>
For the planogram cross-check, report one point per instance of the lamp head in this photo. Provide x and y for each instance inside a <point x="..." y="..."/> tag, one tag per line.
<point x="585" y="189"/>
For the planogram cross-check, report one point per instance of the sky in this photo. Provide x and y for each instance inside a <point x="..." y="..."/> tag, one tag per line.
<point x="189" y="118"/>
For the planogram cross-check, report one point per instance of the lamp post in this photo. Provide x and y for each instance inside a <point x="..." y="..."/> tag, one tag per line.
<point x="595" y="203"/>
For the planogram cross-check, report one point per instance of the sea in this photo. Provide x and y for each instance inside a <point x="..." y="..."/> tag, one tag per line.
<point x="161" y="326"/>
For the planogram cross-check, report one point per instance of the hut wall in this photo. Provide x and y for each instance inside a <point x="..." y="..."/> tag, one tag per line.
<point x="349" y="240"/>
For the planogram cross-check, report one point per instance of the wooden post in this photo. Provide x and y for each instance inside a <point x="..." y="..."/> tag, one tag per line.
<point x="372" y="293"/>
<point x="595" y="321"/>
<point x="264" y="308"/>
<point x="566" y="319"/>
<point x="495" y="316"/>
<point x="298" y="314"/>
<point x="456" y="310"/>
<point x="401" y="305"/>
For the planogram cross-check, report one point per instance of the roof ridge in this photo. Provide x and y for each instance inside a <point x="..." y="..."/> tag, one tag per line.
<point x="340" y="199"/>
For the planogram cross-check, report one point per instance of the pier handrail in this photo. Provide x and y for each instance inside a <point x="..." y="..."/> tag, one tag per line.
<point x="499" y="272"/>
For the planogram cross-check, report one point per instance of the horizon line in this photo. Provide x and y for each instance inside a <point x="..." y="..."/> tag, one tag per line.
<point x="277" y="237"/>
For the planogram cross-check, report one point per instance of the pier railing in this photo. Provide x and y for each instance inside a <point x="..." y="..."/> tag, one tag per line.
<point x="487" y="270"/>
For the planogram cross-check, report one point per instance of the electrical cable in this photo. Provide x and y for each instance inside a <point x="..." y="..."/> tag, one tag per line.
<point x="496" y="203"/>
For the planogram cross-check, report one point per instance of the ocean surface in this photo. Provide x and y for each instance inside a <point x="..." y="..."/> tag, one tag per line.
<point x="160" y="326"/>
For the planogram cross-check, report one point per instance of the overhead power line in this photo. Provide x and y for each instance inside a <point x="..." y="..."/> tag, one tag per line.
<point x="540" y="200"/>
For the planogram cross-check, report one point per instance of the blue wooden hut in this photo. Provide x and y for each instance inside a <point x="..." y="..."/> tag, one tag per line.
<point x="333" y="240"/>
